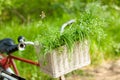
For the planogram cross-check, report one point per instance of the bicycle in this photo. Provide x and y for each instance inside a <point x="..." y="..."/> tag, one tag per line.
<point x="7" y="61"/>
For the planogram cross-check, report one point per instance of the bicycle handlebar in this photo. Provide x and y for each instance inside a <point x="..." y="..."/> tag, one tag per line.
<point x="8" y="46"/>
<point x="22" y="45"/>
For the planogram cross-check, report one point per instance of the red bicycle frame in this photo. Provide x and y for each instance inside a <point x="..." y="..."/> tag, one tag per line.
<point x="11" y="58"/>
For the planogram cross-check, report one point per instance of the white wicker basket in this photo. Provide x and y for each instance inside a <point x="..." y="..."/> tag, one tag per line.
<point x="60" y="62"/>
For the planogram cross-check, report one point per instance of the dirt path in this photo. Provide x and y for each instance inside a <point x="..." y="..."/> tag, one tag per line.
<point x="106" y="71"/>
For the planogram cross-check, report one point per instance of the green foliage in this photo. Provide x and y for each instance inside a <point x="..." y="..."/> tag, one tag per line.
<point x="29" y="10"/>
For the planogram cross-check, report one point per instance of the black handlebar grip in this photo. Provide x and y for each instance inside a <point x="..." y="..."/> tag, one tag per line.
<point x="12" y="49"/>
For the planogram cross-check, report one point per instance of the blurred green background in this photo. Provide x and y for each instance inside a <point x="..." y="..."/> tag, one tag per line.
<point x="33" y="18"/>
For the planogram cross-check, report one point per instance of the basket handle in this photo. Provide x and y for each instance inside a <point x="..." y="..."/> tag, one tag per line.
<point x="66" y="24"/>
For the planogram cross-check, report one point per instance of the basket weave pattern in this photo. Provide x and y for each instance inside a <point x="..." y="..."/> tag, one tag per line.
<point x="60" y="63"/>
